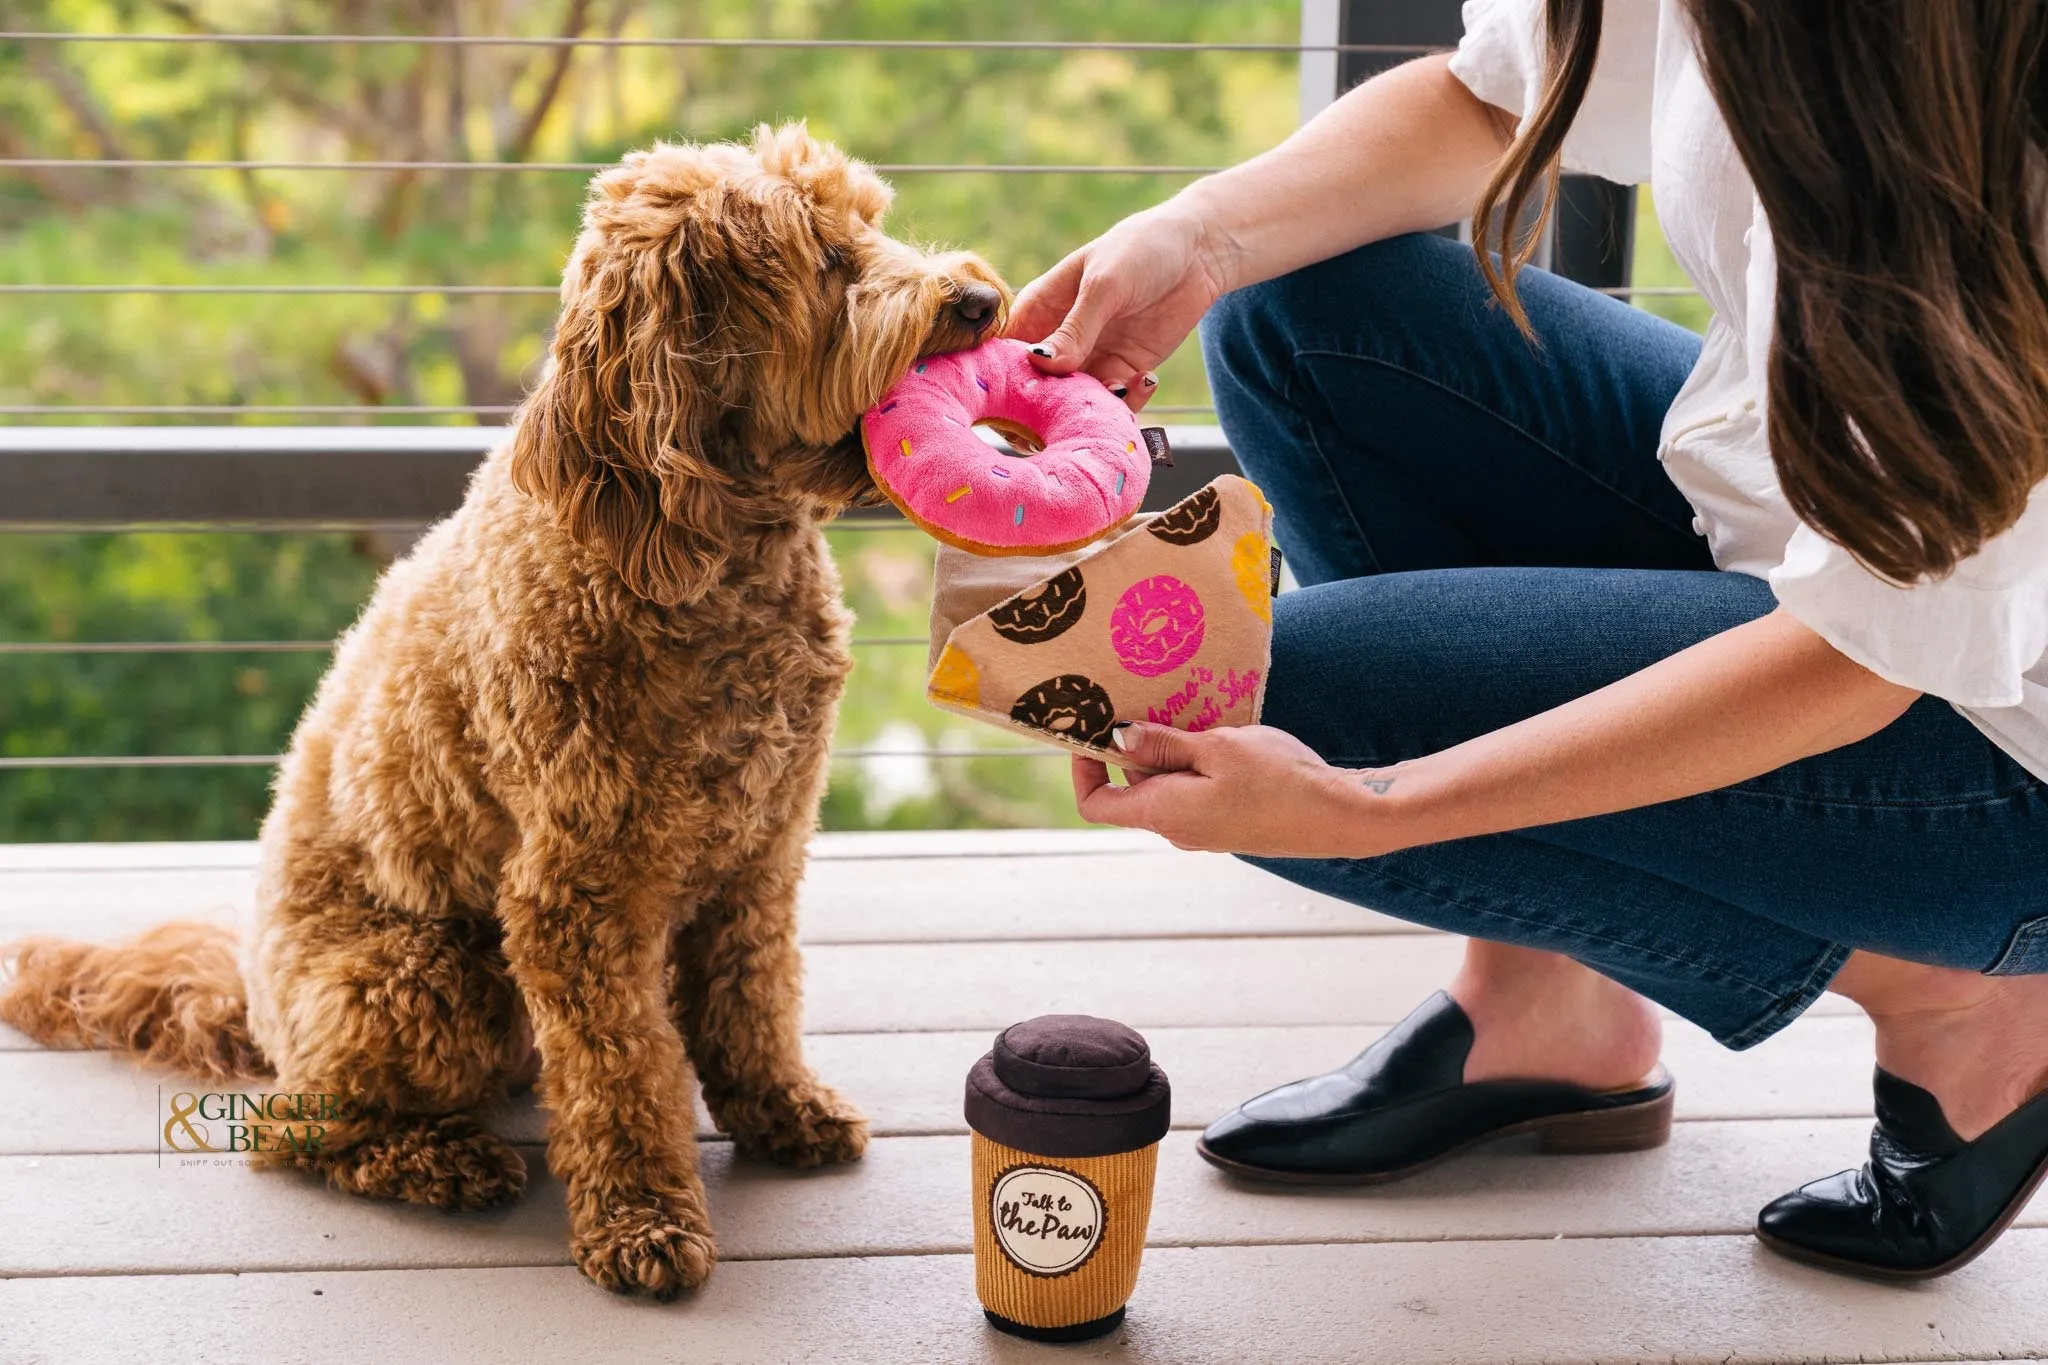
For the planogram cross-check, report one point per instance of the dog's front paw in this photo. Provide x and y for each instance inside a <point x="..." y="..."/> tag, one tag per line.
<point x="646" y="1249"/>
<point x="809" y="1124"/>
<point x="449" y="1163"/>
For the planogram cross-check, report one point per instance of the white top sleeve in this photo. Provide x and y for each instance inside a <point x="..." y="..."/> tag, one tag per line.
<point x="1966" y="638"/>
<point x="1501" y="60"/>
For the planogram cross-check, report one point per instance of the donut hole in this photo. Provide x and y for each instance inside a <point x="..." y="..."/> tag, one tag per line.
<point x="1023" y="440"/>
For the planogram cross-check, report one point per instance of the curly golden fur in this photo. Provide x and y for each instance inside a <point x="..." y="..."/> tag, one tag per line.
<point x="555" y="793"/>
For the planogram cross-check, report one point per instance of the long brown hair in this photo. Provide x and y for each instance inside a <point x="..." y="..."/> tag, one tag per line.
<point x="1891" y="143"/>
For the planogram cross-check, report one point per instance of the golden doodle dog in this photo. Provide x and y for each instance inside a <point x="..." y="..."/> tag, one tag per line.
<point x="555" y="793"/>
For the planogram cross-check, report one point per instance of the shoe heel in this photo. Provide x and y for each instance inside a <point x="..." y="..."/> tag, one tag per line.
<point x="1637" y="1128"/>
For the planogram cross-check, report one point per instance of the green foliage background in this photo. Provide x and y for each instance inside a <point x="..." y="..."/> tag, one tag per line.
<point x="318" y="103"/>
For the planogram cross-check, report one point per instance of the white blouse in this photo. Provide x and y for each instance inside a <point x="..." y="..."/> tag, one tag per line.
<point x="1977" y="638"/>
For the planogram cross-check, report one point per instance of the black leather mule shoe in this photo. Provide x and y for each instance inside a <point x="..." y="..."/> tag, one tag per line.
<point x="1403" y="1105"/>
<point x="1925" y="1203"/>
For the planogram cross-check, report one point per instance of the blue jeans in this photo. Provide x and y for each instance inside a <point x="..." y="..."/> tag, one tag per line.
<point x="1483" y="532"/>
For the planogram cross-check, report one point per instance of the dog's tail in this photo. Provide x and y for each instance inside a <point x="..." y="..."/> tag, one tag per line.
<point x="173" y="996"/>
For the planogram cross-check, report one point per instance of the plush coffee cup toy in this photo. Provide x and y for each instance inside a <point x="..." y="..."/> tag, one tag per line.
<point x="1067" y="1112"/>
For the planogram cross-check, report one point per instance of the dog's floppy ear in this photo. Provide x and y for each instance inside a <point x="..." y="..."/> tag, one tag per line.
<point x="613" y="435"/>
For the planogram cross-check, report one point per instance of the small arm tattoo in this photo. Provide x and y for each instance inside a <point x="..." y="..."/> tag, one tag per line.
<point x="1378" y="785"/>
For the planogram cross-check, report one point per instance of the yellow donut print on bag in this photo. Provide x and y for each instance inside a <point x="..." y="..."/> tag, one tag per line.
<point x="1251" y="563"/>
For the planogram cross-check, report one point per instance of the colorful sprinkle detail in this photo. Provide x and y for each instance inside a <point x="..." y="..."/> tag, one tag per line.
<point x="1129" y="446"/>
<point x="890" y="406"/>
<point x="905" y="446"/>
<point x="1019" y="518"/>
<point x="999" y="471"/>
<point x="920" y="367"/>
<point x="962" y="491"/>
<point x="982" y="382"/>
<point x="1120" y="483"/>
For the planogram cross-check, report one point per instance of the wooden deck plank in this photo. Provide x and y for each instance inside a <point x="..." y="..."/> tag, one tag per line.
<point x="121" y="1214"/>
<point x="924" y="987"/>
<point x="931" y="987"/>
<point x="909" y="1083"/>
<point x="1701" y="1301"/>
<point x="863" y="900"/>
<point x="1361" y="980"/>
<point x="1126" y="895"/>
<point x="116" y="902"/>
<point x="92" y="857"/>
<point x="962" y="843"/>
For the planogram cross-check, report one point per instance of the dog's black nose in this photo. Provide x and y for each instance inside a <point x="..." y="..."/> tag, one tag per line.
<point x="977" y="305"/>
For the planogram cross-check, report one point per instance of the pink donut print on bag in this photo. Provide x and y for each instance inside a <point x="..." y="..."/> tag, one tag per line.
<point x="1168" y="622"/>
<point x="1156" y="626"/>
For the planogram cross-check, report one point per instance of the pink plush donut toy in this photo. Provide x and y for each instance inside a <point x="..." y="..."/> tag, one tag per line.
<point x="1086" y="477"/>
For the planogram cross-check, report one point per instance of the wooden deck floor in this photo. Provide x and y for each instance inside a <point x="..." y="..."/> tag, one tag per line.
<point x="920" y="948"/>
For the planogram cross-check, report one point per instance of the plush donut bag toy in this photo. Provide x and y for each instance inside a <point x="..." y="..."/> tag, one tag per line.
<point x="1058" y="608"/>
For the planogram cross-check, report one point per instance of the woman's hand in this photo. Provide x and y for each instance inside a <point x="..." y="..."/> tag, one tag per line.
<point x="1243" y="790"/>
<point x="1123" y="303"/>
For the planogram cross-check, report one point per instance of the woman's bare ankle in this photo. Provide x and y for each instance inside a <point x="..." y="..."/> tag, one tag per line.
<point x="1978" y="1044"/>
<point x="1540" y="1016"/>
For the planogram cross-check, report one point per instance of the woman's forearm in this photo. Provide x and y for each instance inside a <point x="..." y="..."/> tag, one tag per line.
<point x="1410" y="149"/>
<point x="1732" y="707"/>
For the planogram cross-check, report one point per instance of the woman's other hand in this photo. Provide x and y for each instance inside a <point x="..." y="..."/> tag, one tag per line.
<point x="1120" y="305"/>
<point x="1249" y="789"/>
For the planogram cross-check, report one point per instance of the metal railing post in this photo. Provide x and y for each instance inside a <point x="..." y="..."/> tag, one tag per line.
<point x="1591" y="236"/>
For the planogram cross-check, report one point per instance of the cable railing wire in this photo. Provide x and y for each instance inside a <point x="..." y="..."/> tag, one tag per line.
<point x="105" y="762"/>
<point x="77" y="647"/>
<point x="879" y="525"/>
<point x="400" y="290"/>
<point x="254" y="527"/>
<point x="255" y="409"/>
<point x="786" y="44"/>
<point x="47" y="163"/>
<point x="15" y="764"/>
<point x="345" y="409"/>
<point x="93" y="762"/>
<point x="1650" y="291"/>
<point x="71" y="647"/>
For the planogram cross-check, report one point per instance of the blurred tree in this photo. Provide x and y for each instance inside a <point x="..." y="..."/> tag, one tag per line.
<point x="486" y="105"/>
<point x="457" y="105"/>
<point x="156" y="587"/>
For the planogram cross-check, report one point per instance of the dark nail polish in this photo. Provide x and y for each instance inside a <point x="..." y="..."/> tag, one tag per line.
<point x="1040" y="350"/>
<point x="1118" y="389"/>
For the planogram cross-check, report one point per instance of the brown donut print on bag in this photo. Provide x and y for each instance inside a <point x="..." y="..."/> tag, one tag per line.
<point x="1043" y="670"/>
<point x="1070" y="706"/>
<point x="1043" y="611"/>
<point x="1190" y="521"/>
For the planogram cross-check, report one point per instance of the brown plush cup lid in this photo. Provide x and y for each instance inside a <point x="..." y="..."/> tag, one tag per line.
<point x="1069" y="1085"/>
